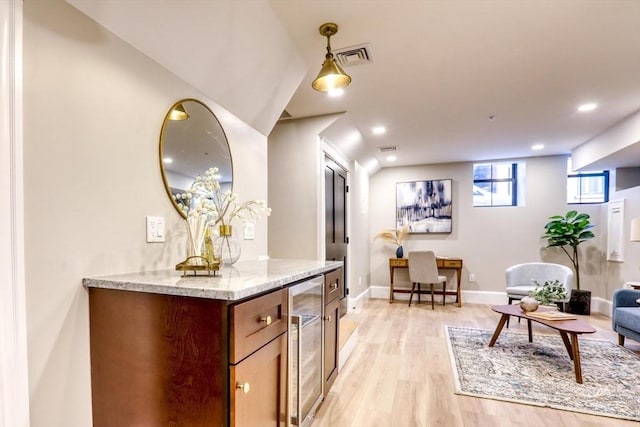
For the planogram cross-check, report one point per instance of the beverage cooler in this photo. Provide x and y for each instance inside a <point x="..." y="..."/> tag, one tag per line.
<point x="305" y="350"/>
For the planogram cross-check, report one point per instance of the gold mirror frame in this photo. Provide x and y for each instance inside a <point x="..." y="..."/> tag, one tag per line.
<point x="194" y="142"/>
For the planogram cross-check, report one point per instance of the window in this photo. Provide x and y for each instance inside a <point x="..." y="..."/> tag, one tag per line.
<point x="497" y="184"/>
<point x="587" y="187"/>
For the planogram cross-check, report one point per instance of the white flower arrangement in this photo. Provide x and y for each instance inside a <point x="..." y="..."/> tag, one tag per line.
<point x="206" y="202"/>
<point x="205" y="205"/>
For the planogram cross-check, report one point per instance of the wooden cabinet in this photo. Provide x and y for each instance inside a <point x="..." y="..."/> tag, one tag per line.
<point x="258" y="387"/>
<point x="164" y="360"/>
<point x="331" y="327"/>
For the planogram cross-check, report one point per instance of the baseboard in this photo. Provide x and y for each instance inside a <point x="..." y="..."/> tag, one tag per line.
<point x="601" y="305"/>
<point x="356" y="303"/>
<point x="471" y="297"/>
<point x="598" y="305"/>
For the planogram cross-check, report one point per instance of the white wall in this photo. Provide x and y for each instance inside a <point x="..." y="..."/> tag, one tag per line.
<point x="628" y="271"/>
<point x="94" y="107"/>
<point x="488" y="239"/>
<point x="359" y="241"/>
<point x="296" y="194"/>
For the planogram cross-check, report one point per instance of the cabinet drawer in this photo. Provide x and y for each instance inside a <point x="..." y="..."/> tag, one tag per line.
<point x="332" y="283"/>
<point x="256" y="322"/>
<point x="451" y="263"/>
<point x="398" y="262"/>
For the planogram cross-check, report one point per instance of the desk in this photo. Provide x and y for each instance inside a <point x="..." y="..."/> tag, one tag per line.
<point x="444" y="263"/>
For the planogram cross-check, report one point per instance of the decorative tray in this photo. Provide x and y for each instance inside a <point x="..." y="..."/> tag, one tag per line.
<point x="551" y="315"/>
<point x="206" y="266"/>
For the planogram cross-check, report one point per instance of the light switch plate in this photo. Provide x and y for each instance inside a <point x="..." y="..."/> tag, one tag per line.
<point x="155" y="229"/>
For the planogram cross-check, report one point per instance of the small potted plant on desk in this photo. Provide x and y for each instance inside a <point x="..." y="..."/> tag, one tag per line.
<point x="395" y="236"/>
<point x="569" y="231"/>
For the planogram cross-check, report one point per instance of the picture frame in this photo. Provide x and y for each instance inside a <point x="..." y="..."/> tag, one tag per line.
<point x="425" y="206"/>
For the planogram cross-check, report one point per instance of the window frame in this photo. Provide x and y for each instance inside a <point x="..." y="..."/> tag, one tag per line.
<point x="593" y="174"/>
<point x="513" y="180"/>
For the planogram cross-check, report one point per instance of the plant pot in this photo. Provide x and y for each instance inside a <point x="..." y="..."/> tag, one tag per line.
<point x="580" y="302"/>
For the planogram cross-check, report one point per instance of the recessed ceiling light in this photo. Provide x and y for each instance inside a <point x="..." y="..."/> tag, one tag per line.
<point x="588" y="107"/>
<point x="391" y="158"/>
<point x="378" y="130"/>
<point x="336" y="92"/>
<point x="537" y="147"/>
<point x="167" y="160"/>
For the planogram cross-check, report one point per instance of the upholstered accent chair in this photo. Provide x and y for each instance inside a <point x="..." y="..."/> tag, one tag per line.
<point x="424" y="270"/>
<point x="521" y="278"/>
<point x="625" y="315"/>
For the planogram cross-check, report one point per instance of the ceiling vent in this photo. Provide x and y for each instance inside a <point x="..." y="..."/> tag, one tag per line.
<point x="388" y="149"/>
<point x="354" y="55"/>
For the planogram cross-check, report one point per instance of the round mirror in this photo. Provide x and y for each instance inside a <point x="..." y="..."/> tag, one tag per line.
<point x="192" y="141"/>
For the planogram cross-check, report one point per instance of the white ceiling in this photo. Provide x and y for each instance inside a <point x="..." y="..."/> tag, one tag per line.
<point x="441" y="68"/>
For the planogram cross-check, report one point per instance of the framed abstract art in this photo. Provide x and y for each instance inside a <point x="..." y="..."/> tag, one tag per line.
<point x="424" y="206"/>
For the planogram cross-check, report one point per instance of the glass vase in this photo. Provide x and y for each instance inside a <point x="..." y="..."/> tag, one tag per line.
<point x="226" y="247"/>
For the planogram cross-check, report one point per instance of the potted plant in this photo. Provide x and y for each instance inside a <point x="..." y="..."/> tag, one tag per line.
<point x="395" y="236"/>
<point x="550" y="293"/>
<point x="568" y="232"/>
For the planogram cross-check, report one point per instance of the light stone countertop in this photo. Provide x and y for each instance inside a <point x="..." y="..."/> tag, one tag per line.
<point x="241" y="280"/>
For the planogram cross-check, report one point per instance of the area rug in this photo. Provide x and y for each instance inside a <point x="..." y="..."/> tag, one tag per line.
<point x="541" y="373"/>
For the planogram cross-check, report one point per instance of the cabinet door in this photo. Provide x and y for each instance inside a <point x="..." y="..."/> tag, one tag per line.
<point x="258" y="387"/>
<point x="331" y="345"/>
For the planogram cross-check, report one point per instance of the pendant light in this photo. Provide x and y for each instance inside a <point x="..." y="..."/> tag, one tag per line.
<point x="178" y="113"/>
<point x="331" y="75"/>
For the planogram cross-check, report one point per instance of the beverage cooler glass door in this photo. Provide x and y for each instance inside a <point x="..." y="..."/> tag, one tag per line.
<point x="305" y="349"/>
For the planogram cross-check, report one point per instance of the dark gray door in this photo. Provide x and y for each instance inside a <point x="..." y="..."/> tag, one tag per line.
<point x="336" y="239"/>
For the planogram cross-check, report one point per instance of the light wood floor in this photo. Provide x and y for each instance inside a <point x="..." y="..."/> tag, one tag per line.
<point x="400" y="375"/>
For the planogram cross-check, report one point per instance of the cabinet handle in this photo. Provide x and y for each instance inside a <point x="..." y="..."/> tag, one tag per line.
<point x="266" y="320"/>
<point x="245" y="387"/>
<point x="327" y="318"/>
<point x="334" y="285"/>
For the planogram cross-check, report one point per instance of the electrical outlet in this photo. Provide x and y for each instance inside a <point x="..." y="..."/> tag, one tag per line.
<point x="155" y="229"/>
<point x="472" y="277"/>
<point x="249" y="231"/>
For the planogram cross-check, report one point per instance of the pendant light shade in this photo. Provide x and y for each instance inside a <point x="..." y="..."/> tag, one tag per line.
<point x="178" y="113"/>
<point x="331" y="75"/>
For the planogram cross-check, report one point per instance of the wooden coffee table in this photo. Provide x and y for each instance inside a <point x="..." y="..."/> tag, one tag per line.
<point x="566" y="328"/>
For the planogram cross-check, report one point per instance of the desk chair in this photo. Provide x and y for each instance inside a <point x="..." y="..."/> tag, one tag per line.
<point x="423" y="269"/>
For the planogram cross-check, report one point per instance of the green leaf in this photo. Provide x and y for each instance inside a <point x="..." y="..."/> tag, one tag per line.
<point x="581" y="217"/>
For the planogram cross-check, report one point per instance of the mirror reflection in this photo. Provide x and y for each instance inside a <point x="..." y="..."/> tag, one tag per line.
<point x="192" y="141"/>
